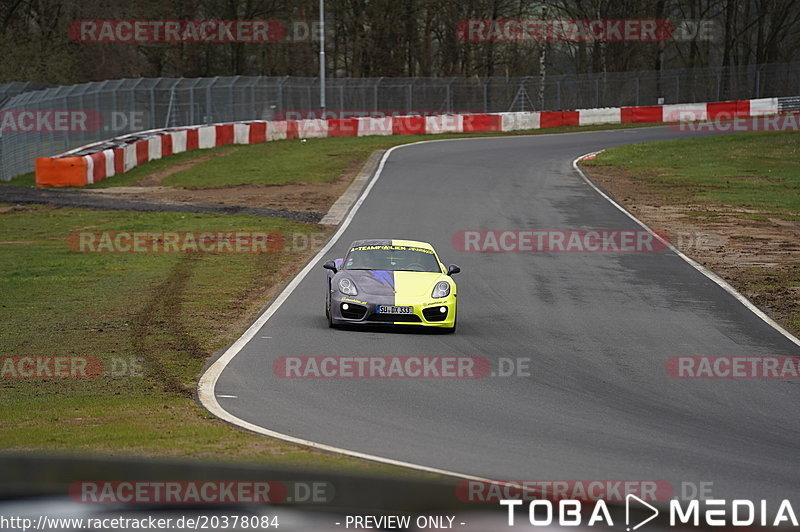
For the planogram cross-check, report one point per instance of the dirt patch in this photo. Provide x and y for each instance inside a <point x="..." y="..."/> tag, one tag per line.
<point x="304" y="197"/>
<point x="156" y="178"/>
<point x="82" y="199"/>
<point x="301" y="197"/>
<point x="19" y="208"/>
<point x="755" y="251"/>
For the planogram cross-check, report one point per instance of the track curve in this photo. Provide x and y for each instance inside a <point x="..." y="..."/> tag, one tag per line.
<point x="598" y="328"/>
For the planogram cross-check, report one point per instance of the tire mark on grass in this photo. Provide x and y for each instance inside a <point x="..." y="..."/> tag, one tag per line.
<point x="159" y="335"/>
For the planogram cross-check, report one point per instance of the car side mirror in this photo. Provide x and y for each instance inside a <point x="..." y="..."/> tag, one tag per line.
<point x="330" y="265"/>
<point x="453" y="269"/>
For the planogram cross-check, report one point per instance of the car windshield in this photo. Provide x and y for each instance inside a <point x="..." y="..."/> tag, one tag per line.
<point x="392" y="258"/>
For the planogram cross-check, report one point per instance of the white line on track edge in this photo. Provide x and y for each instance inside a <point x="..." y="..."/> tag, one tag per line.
<point x="696" y="265"/>
<point x="208" y="381"/>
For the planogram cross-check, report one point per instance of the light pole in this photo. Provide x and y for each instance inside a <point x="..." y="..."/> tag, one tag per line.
<point x="322" y="55"/>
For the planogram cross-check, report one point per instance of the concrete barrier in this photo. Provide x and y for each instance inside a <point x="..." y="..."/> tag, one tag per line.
<point x="93" y="163"/>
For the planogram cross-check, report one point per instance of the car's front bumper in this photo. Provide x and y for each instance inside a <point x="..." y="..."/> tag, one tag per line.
<point x="364" y="311"/>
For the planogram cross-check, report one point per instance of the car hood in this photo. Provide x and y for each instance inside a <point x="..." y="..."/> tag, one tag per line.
<point x="389" y="283"/>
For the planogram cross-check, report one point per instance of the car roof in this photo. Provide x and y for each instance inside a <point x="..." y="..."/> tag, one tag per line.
<point x="391" y="242"/>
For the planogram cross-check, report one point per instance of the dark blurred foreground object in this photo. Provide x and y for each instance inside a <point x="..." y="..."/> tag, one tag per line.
<point x="55" y="493"/>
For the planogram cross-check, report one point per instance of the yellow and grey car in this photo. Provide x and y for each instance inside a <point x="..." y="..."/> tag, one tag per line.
<point x="391" y="282"/>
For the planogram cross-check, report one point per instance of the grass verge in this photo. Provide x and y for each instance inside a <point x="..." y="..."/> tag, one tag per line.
<point x="732" y="202"/>
<point x="152" y="318"/>
<point x="747" y="170"/>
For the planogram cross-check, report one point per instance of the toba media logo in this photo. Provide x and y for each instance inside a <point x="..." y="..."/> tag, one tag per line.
<point x="709" y="512"/>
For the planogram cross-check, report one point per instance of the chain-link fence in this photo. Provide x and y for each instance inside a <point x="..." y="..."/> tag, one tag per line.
<point x="46" y="122"/>
<point x="9" y="90"/>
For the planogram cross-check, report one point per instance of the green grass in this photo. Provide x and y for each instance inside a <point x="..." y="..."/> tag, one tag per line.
<point x="759" y="171"/>
<point x="286" y="161"/>
<point x="24" y="180"/>
<point x="167" y="311"/>
<point x="282" y="162"/>
<point x="130" y="178"/>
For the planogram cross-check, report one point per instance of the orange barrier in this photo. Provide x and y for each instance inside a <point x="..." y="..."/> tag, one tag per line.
<point x="61" y="171"/>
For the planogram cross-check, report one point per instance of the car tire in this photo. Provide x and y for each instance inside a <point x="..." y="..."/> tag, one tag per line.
<point x="329" y="316"/>
<point x="328" y="306"/>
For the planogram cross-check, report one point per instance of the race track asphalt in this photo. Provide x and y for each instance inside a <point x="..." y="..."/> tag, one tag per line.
<point x="598" y="329"/>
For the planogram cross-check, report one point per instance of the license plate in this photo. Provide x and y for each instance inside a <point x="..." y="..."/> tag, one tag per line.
<point x="391" y="309"/>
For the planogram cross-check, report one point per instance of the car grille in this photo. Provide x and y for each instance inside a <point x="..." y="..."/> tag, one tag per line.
<point x="391" y="318"/>
<point x="433" y="314"/>
<point x="353" y="312"/>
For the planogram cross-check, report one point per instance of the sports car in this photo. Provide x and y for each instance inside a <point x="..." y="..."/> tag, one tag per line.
<point x="391" y="282"/>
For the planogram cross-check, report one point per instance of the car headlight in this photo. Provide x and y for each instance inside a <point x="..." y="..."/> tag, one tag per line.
<point x="442" y="289"/>
<point x="347" y="287"/>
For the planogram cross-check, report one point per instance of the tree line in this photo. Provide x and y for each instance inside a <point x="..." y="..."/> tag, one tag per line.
<point x="391" y="38"/>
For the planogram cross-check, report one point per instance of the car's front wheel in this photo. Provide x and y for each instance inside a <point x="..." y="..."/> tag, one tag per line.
<point x="328" y="306"/>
